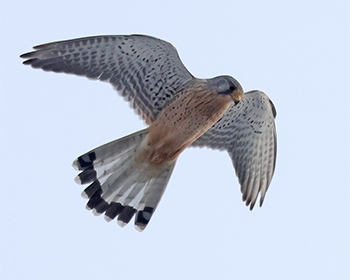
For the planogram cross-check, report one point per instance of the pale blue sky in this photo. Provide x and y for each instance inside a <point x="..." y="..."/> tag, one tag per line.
<point x="298" y="52"/>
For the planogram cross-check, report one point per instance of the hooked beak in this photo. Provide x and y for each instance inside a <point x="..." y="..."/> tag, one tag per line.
<point x="237" y="96"/>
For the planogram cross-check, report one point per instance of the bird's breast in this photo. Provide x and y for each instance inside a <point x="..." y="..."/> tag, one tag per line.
<point x="183" y="121"/>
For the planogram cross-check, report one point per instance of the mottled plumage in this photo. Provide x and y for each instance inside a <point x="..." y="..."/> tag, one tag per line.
<point x="128" y="176"/>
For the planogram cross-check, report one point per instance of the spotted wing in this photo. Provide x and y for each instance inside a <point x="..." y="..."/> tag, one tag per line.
<point x="146" y="71"/>
<point x="247" y="131"/>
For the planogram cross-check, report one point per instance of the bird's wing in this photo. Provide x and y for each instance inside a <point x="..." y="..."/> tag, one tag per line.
<point x="146" y="71"/>
<point x="247" y="131"/>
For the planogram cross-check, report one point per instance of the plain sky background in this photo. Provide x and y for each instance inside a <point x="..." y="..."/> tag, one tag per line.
<point x="298" y="52"/>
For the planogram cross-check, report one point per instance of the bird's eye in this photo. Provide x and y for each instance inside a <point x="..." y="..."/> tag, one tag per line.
<point x="232" y="88"/>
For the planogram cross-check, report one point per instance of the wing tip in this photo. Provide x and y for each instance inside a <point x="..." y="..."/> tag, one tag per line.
<point x="251" y="201"/>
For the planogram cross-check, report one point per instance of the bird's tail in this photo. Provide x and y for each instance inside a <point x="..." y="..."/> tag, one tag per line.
<point x="119" y="187"/>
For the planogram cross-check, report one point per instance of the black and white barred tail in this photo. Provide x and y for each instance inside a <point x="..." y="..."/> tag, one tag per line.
<point x="120" y="187"/>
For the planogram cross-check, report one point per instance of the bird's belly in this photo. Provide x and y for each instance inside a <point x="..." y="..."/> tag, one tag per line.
<point x="182" y="122"/>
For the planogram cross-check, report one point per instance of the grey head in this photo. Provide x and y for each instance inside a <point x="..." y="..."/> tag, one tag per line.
<point x="226" y="85"/>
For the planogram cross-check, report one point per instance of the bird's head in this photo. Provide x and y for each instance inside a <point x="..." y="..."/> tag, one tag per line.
<point x="227" y="85"/>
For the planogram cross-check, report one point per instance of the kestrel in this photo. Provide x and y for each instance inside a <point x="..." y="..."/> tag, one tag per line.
<point x="129" y="175"/>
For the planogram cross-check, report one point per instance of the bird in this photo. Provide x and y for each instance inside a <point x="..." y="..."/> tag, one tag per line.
<point x="128" y="176"/>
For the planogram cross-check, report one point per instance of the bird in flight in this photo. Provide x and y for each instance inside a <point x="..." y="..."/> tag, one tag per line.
<point x="128" y="176"/>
